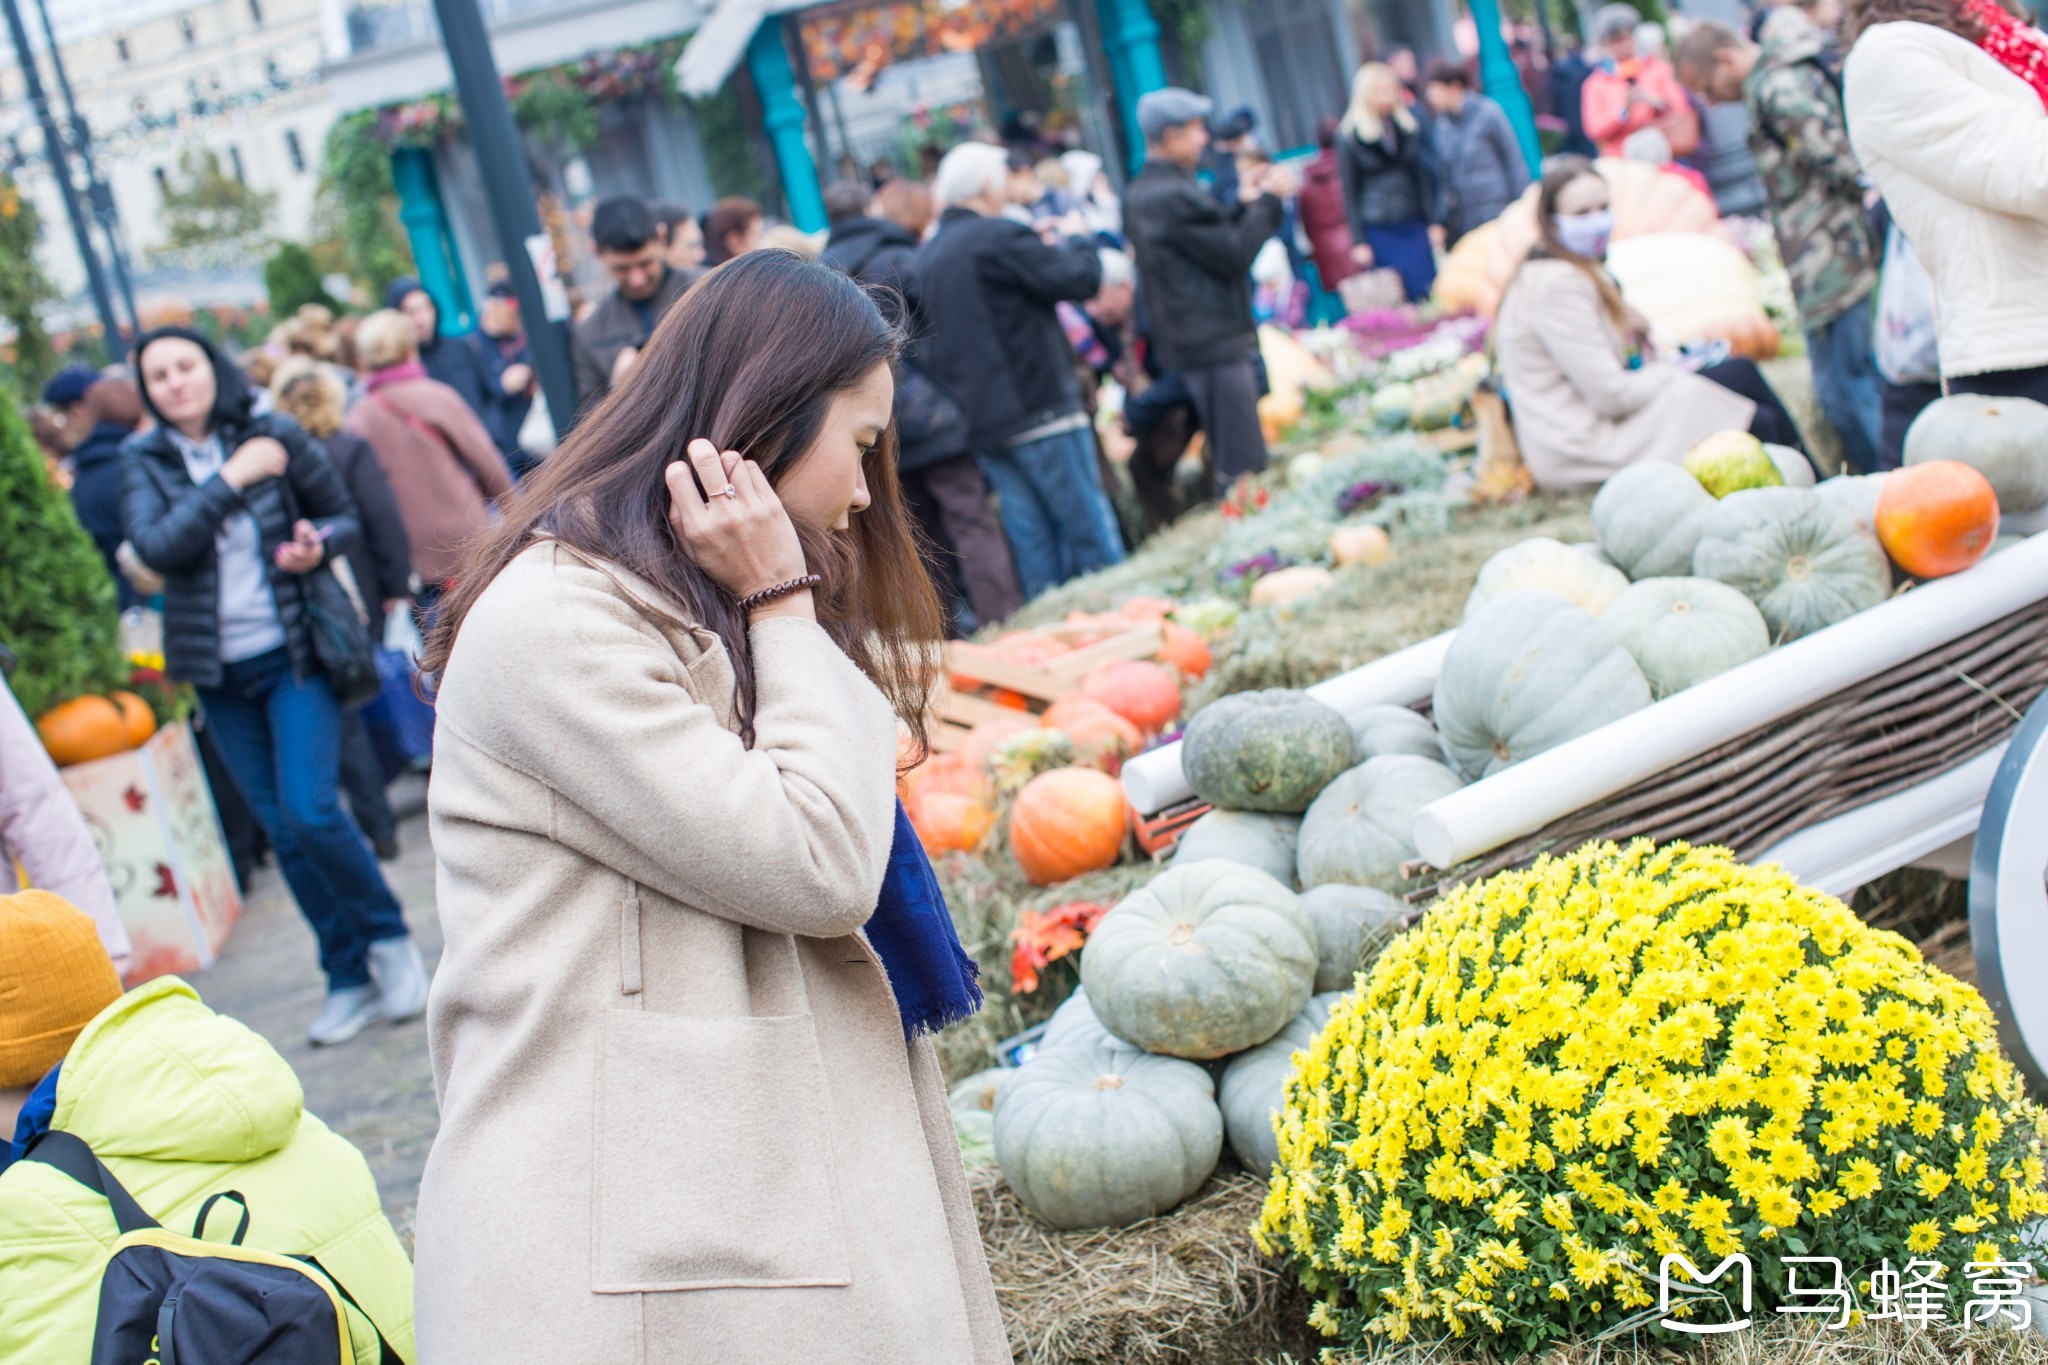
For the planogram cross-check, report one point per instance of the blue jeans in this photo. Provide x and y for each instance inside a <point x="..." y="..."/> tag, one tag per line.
<point x="1058" y="520"/>
<point x="281" y="738"/>
<point x="1846" y="381"/>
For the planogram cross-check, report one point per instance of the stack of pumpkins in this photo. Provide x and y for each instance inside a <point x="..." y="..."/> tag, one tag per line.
<point x="1198" y="989"/>
<point x="93" y="727"/>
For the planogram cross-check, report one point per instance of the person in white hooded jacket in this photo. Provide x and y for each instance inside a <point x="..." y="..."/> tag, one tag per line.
<point x="1953" y="131"/>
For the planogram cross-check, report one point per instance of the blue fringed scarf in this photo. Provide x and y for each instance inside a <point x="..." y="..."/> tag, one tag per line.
<point x="935" y="981"/>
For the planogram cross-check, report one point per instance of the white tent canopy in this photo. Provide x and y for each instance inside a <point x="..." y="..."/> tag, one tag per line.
<point x="720" y="42"/>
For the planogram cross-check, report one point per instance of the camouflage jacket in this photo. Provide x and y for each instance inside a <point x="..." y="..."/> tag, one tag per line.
<point x="1801" y="143"/>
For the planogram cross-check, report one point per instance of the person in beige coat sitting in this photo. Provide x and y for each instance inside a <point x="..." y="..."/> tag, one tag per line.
<point x="690" y="1110"/>
<point x="1587" y="393"/>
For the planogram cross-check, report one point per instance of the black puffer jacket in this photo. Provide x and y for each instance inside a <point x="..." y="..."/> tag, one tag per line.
<point x="172" y="522"/>
<point x="883" y="257"/>
<point x="1392" y="180"/>
<point x="992" y="339"/>
<point x="96" y="495"/>
<point x="1194" y="259"/>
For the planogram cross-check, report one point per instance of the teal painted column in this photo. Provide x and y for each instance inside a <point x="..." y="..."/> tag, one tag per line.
<point x="1132" y="36"/>
<point x="1498" y="77"/>
<point x="783" y="113"/>
<point x="433" y="245"/>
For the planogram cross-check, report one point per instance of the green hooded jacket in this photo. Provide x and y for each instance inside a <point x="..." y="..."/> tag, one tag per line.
<point x="1801" y="142"/>
<point x="181" y="1103"/>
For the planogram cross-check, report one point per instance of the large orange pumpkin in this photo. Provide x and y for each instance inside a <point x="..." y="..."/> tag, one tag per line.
<point x="136" y="716"/>
<point x="1067" y="822"/>
<point x="1142" y="692"/>
<point x="1936" y="518"/>
<point x="948" y="773"/>
<point x="950" y="822"/>
<point x="987" y="736"/>
<point x="1098" y="732"/>
<point x="1184" y="649"/>
<point x="83" y="729"/>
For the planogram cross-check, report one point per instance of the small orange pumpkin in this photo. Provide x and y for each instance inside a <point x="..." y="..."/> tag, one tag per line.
<point x="1003" y="696"/>
<point x="136" y="716"/>
<point x="1937" y="518"/>
<point x="1105" y="737"/>
<point x="948" y="821"/>
<point x="1142" y="692"/>
<point x="1067" y="822"/>
<point x="83" y="729"/>
<point x="948" y="773"/>
<point x="1184" y="649"/>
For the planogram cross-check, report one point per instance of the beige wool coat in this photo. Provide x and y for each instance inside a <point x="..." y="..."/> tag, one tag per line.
<point x="679" y="1120"/>
<point x="1580" y="413"/>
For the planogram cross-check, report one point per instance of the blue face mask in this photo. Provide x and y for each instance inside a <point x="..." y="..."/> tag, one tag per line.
<point x="1586" y="234"/>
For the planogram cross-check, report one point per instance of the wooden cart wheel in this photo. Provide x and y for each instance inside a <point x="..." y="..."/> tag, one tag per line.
<point x="2009" y="897"/>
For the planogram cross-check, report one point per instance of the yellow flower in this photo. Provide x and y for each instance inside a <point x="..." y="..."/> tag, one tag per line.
<point x="1508" y="1210"/>
<point x="1778" y="1208"/>
<point x="1925" y="1236"/>
<point x="1671" y="1197"/>
<point x="1708" y="1212"/>
<point x="1932" y="1181"/>
<point x="1824" y="1202"/>
<point x="1566" y="1133"/>
<point x="1926" y="1119"/>
<point x="1860" y="1178"/>
<point x="1557" y="1211"/>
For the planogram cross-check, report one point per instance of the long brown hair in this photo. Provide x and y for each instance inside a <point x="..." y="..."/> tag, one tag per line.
<point x="749" y="359"/>
<point x="1563" y="171"/>
<point x="1858" y="15"/>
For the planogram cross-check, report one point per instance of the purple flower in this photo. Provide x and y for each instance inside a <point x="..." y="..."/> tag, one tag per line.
<point x="1366" y="494"/>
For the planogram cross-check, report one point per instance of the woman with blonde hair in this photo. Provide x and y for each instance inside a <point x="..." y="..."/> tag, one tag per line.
<point x="1588" y="392"/>
<point x="443" y="466"/>
<point x="1390" y="184"/>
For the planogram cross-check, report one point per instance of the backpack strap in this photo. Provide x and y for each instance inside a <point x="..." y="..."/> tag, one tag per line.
<point x="387" y="1354"/>
<point x="69" y="1153"/>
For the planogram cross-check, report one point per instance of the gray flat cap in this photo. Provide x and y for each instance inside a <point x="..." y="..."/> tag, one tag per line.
<point x="1163" y="109"/>
<point x="1610" y="20"/>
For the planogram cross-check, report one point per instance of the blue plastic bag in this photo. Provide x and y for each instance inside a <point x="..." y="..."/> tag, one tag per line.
<point x="401" y="725"/>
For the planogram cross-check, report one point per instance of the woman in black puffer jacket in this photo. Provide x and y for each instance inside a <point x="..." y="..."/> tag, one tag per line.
<point x="232" y="509"/>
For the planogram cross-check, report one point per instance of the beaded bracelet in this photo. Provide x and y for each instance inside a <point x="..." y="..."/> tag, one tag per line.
<point x="766" y="595"/>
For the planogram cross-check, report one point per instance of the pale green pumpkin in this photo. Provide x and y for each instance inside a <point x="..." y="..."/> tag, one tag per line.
<point x="1541" y="564"/>
<point x="1803" y="558"/>
<point x="2004" y="439"/>
<point x="1352" y="923"/>
<point x="1253" y="838"/>
<point x="1268" y="751"/>
<point x="1360" y="830"/>
<point x="1394" y="730"/>
<point x="1682" y="631"/>
<point x="1254" y="1086"/>
<point x="1648" y="519"/>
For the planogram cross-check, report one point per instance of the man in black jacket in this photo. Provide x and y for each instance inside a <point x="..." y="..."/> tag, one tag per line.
<point x="994" y="343"/>
<point x="633" y="248"/>
<point x="1194" y="260"/>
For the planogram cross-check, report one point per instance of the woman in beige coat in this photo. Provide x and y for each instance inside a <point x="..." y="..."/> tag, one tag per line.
<point x="1564" y="340"/>
<point x="688" y="1108"/>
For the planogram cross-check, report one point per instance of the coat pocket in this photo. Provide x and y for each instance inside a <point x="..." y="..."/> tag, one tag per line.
<point x="715" y="1165"/>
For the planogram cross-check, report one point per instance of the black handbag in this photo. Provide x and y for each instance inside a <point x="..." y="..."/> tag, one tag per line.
<point x="337" y="624"/>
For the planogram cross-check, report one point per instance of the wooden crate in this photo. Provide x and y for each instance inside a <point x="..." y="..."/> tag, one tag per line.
<point x="954" y="711"/>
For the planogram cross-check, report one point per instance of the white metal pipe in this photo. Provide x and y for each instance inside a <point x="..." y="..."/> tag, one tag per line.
<point x="1522" y="799"/>
<point x="1153" y="781"/>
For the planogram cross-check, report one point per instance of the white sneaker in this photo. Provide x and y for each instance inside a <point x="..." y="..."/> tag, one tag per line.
<point x="348" y="1011"/>
<point x="401" y="976"/>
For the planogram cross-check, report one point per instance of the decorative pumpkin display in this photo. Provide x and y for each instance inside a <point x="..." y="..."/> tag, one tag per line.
<point x="1937" y="518"/>
<point x="1271" y="750"/>
<point x="1794" y="468"/>
<point x="948" y="822"/>
<point x="947" y="773"/>
<point x="1856" y="494"/>
<point x="1067" y="822"/>
<point x="1540" y="564"/>
<point x="1203" y="961"/>
<point x="1525" y="674"/>
<point x="2004" y="439"/>
<point x="1101" y="737"/>
<point x="1251" y="837"/>
<point x="1254" y="1084"/>
<point x="1101" y="1136"/>
<point x="1351" y="923"/>
<point x="1284" y="587"/>
<point x="1695" y="286"/>
<point x="1184" y="649"/>
<point x="1681" y="631"/>
<point x="1075" y="1022"/>
<point x="87" y="728"/>
<point x="1803" y="559"/>
<point x="1648" y="518"/>
<point x="1730" y="461"/>
<point x="1142" y="692"/>
<point x="973" y="1103"/>
<point x="990" y="735"/>
<point x="1359" y="831"/>
<point x="1363" y="544"/>
<point x="137" y="719"/>
<point x="1380" y="730"/>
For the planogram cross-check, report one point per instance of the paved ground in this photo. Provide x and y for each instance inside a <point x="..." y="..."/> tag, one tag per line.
<point x="378" y="1090"/>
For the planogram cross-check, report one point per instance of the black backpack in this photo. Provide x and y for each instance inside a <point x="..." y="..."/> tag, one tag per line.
<point x="174" y="1300"/>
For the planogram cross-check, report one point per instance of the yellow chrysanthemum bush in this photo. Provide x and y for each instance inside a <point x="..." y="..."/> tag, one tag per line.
<point x="1563" y="1074"/>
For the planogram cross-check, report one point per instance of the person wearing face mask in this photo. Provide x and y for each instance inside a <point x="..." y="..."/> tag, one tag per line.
<point x="1587" y="391"/>
<point x="233" y="510"/>
<point x="694" y="952"/>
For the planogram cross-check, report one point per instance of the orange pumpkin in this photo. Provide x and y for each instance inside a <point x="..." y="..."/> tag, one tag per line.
<point x="985" y="738"/>
<point x="1067" y="822"/>
<point x="1184" y="649"/>
<point x="83" y="729"/>
<point x="136" y="716"/>
<point x="1145" y="609"/>
<point x="1936" y="518"/>
<point x="1142" y="692"/>
<point x="1003" y="696"/>
<point x="950" y="822"/>
<point x="1098" y="732"/>
<point x="947" y="773"/>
